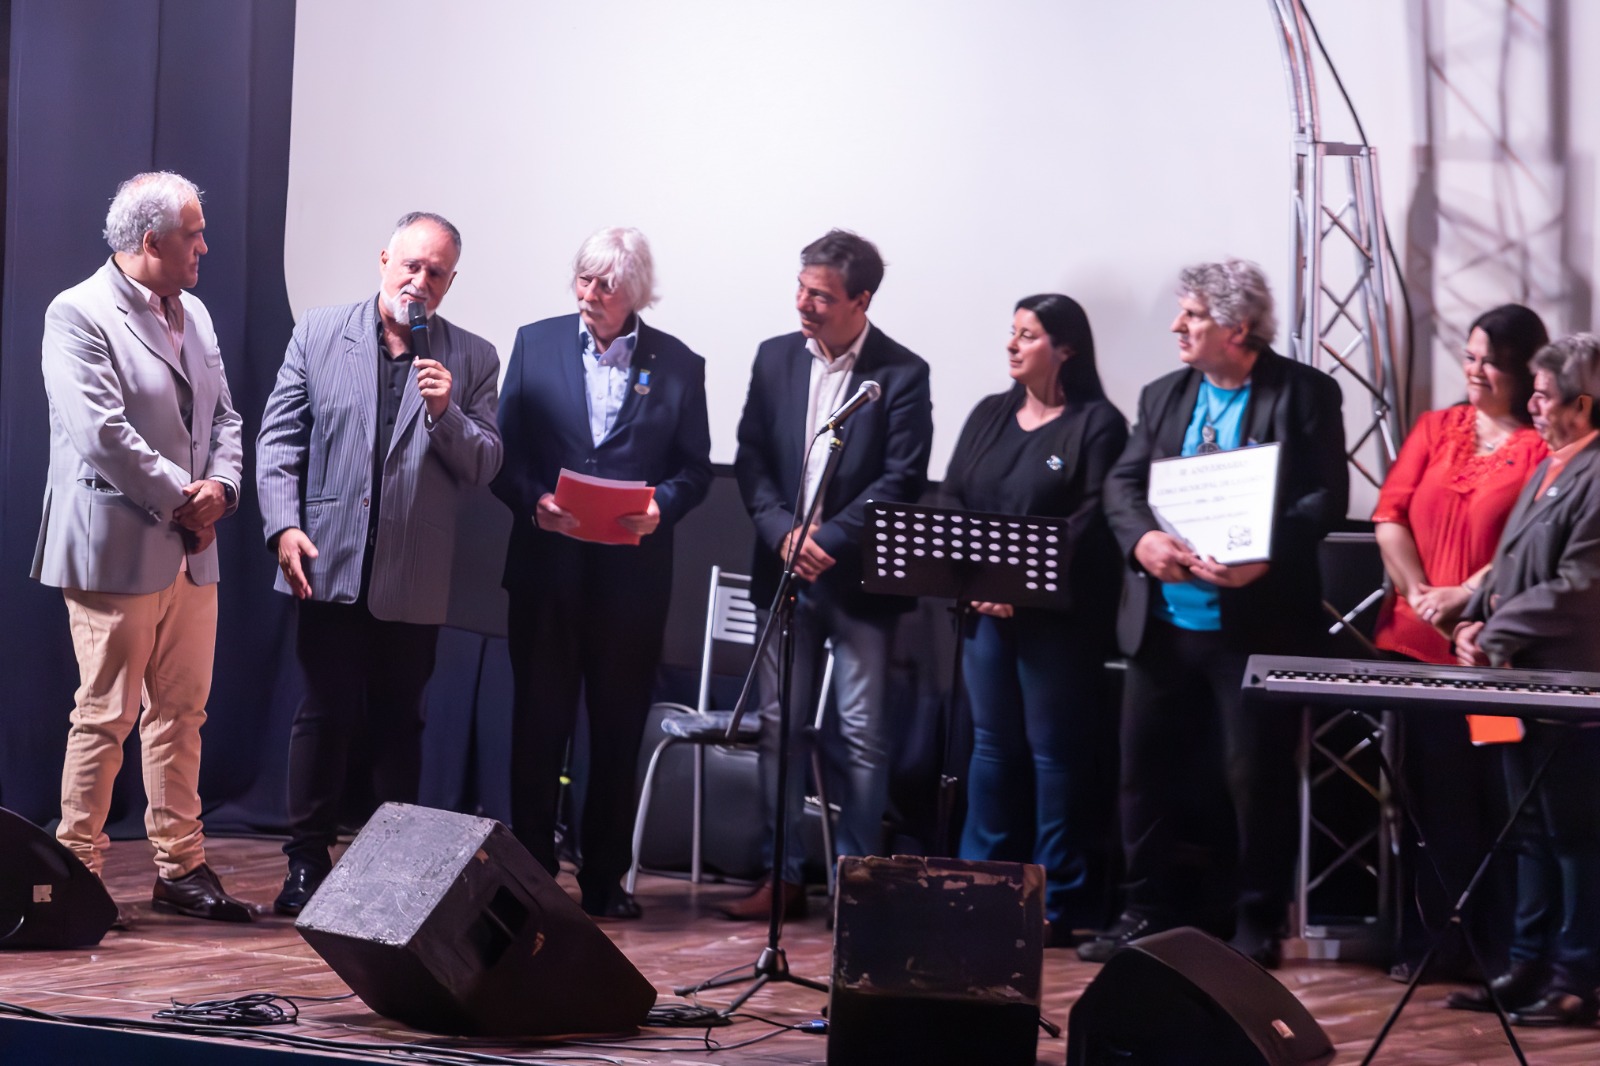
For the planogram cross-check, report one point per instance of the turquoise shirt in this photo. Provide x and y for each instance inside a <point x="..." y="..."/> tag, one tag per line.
<point x="1194" y="604"/>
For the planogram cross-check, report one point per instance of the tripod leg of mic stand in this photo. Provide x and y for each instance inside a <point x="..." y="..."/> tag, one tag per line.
<point x="772" y="965"/>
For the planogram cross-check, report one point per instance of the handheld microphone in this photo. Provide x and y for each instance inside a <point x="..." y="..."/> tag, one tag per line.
<point x="417" y="317"/>
<point x="868" y="392"/>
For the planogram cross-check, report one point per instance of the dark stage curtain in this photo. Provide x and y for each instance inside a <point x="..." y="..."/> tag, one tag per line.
<point x="99" y="91"/>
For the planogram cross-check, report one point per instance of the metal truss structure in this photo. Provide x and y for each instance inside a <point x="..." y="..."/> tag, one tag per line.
<point x="1339" y="319"/>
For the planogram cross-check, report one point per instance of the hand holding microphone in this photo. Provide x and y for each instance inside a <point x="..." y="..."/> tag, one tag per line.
<point x="433" y="380"/>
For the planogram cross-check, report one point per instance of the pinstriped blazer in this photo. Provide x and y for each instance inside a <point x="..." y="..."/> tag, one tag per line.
<point x="314" y="460"/>
<point x="121" y="449"/>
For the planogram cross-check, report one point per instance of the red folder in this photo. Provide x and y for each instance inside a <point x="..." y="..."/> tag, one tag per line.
<point x="597" y="503"/>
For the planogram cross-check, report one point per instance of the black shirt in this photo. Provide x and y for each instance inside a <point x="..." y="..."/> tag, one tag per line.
<point x="1054" y="471"/>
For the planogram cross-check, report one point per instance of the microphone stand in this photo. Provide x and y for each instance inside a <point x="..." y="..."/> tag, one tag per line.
<point x="773" y="964"/>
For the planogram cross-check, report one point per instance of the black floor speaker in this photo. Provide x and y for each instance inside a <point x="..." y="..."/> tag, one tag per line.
<point x="48" y="899"/>
<point x="446" y="922"/>
<point x="1182" y="998"/>
<point x="936" y="961"/>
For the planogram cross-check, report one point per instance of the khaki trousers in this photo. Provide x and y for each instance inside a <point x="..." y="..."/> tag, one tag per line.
<point x="158" y="646"/>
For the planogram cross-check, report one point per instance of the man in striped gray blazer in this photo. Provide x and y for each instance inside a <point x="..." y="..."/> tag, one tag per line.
<point x="366" y="444"/>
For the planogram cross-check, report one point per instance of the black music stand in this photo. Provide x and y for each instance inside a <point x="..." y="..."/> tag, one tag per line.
<point x="965" y="556"/>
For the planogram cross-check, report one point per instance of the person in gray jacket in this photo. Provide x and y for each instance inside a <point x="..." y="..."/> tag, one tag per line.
<point x="1539" y="608"/>
<point x="144" y="460"/>
<point x="366" y="446"/>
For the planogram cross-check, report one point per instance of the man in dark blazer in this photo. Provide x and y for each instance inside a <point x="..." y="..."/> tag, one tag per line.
<point x="603" y="394"/>
<point x="365" y="451"/>
<point x="797" y="382"/>
<point x="1539" y="608"/>
<point x="1188" y="623"/>
<point x="145" y="458"/>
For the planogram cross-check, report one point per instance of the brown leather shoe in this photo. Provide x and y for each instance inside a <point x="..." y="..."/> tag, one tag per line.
<point x="757" y="906"/>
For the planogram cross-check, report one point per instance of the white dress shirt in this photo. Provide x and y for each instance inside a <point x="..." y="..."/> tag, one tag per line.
<point x="605" y="376"/>
<point x="830" y="381"/>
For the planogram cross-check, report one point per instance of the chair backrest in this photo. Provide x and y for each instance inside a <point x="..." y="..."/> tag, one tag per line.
<point x="732" y="627"/>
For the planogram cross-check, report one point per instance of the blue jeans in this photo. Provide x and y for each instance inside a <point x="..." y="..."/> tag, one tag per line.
<point x="1557" y="842"/>
<point x="1035" y="683"/>
<point x="854" y="754"/>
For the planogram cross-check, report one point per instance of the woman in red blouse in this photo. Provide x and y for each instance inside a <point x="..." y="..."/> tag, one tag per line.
<point x="1439" y="517"/>
<point x="1448" y="495"/>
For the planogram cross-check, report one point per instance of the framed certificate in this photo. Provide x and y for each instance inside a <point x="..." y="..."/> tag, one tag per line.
<point x="1221" y="504"/>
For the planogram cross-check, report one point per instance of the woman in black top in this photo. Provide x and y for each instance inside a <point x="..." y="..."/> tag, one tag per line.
<point x="1034" y="676"/>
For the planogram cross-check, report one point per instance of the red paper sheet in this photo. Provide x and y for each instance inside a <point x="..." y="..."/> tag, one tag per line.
<point x="597" y="503"/>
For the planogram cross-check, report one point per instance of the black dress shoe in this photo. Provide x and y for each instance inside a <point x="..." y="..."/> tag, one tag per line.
<point x="299" y="885"/>
<point x="1128" y="928"/>
<point x="615" y="903"/>
<point x="1558" y="1007"/>
<point x="198" y="894"/>
<point x="1518" y="987"/>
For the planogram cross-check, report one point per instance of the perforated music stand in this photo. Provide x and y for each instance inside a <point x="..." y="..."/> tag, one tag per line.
<point x="912" y="550"/>
<point x="965" y="556"/>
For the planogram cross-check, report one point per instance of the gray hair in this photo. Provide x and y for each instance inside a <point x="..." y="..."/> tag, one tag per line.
<point x="152" y="202"/>
<point x="621" y="254"/>
<point x="1235" y="292"/>
<point x="1574" y="363"/>
<point x="411" y="218"/>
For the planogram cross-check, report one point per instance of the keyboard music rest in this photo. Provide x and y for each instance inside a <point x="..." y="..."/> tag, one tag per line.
<point x="1400" y="686"/>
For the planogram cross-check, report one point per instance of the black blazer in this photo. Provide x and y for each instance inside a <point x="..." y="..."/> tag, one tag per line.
<point x="1293" y="404"/>
<point x="1088" y="436"/>
<point x="885" y="458"/>
<point x="662" y="437"/>
<point x="1541" y="600"/>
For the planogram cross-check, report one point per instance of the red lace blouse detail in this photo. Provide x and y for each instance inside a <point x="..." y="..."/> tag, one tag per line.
<point x="1455" y="502"/>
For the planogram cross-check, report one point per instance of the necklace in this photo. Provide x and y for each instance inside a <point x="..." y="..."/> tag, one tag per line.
<point x="1488" y="434"/>
<point x="1208" y="427"/>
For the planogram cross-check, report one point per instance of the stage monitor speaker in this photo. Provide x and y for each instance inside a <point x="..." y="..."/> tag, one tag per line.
<point x="936" y="961"/>
<point x="446" y="922"/>
<point x="48" y="899"/>
<point x="1182" y="998"/>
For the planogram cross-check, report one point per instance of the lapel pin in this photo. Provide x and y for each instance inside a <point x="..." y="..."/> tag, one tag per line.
<point x="1054" y="462"/>
<point x="643" y="385"/>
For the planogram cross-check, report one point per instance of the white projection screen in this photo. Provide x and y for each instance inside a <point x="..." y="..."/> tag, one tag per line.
<point x="991" y="150"/>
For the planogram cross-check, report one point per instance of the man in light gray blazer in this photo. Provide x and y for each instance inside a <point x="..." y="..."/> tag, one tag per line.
<point x="372" y="433"/>
<point x="144" y="459"/>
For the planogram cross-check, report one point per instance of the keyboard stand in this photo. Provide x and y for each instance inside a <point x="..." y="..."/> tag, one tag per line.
<point x="1454" y="921"/>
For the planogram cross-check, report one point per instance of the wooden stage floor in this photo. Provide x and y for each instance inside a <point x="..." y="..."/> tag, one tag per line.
<point x="680" y="939"/>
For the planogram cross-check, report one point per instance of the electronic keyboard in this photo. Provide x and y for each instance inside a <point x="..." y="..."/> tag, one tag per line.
<point x="1399" y="686"/>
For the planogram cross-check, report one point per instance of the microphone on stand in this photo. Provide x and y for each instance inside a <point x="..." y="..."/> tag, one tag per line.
<point x="417" y="318"/>
<point x="867" y="393"/>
